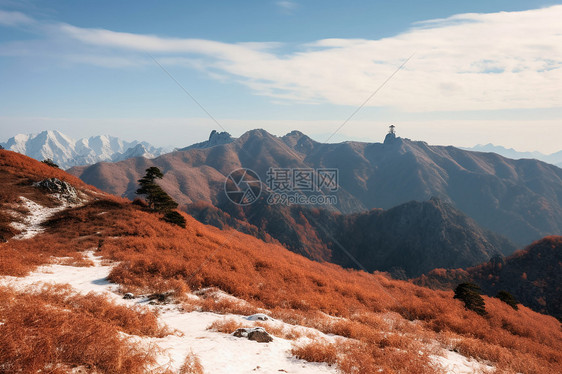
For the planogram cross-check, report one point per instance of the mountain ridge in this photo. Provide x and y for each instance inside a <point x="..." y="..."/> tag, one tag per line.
<point x="520" y="199"/>
<point x="406" y="241"/>
<point x="199" y="276"/>
<point x="552" y="158"/>
<point x="67" y="152"/>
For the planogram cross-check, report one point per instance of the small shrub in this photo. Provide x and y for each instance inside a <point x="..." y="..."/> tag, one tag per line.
<point x="507" y="298"/>
<point x="227" y="326"/>
<point x="192" y="365"/>
<point x="140" y="203"/>
<point x="175" y="218"/>
<point x="469" y="294"/>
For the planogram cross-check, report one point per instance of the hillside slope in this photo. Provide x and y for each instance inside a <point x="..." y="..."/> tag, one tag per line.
<point x="532" y="275"/>
<point x="519" y="199"/>
<point x="381" y="325"/>
<point x="407" y="240"/>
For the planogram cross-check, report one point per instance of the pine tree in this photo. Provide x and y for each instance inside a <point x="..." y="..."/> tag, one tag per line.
<point x="158" y="200"/>
<point x="507" y="298"/>
<point x="469" y="294"/>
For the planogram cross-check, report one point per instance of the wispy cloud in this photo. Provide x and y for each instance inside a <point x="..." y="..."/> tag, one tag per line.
<point x="14" y="19"/>
<point x="466" y="62"/>
<point x="287" y="6"/>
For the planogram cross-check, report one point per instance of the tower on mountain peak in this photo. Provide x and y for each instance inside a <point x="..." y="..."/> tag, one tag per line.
<point x="391" y="136"/>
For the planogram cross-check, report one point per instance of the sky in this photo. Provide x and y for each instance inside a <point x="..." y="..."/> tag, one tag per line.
<point x="445" y="72"/>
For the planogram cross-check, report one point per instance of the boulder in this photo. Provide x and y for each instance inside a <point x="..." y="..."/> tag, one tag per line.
<point x="55" y="186"/>
<point x="257" y="334"/>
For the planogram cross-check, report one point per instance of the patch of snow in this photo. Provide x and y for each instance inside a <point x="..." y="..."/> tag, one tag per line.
<point x="258" y="317"/>
<point x="32" y="222"/>
<point x="218" y="352"/>
<point x="67" y="152"/>
<point x="455" y="363"/>
<point x="223" y="353"/>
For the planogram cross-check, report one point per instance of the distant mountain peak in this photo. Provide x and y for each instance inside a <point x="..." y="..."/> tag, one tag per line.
<point x="67" y="152"/>
<point x="553" y="158"/>
<point x="295" y="133"/>
<point x="257" y="133"/>
<point x="391" y="136"/>
<point x="215" y="138"/>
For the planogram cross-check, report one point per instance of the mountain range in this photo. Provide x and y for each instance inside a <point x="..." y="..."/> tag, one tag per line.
<point x="519" y="199"/>
<point x="67" y="152"/>
<point x="152" y="296"/>
<point x="553" y="158"/>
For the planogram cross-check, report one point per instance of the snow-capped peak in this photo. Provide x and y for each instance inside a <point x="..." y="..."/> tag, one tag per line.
<point x="67" y="152"/>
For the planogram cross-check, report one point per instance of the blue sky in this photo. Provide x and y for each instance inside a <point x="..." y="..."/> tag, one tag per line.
<point x="481" y="71"/>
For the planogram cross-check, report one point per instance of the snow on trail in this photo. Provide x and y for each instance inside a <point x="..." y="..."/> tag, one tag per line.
<point x="218" y="352"/>
<point x="32" y="222"/>
<point x="455" y="363"/>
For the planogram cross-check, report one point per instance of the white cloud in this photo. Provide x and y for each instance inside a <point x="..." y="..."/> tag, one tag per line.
<point x="14" y="19"/>
<point x="491" y="61"/>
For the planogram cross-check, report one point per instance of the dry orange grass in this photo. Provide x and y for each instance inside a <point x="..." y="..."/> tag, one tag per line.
<point x="53" y="330"/>
<point x="390" y="321"/>
<point x="24" y="166"/>
<point x="191" y="365"/>
<point x="154" y="255"/>
<point x="227" y="325"/>
<point x="317" y="351"/>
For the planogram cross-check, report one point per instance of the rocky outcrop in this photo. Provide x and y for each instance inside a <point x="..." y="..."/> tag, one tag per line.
<point x="215" y="138"/>
<point x="62" y="189"/>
